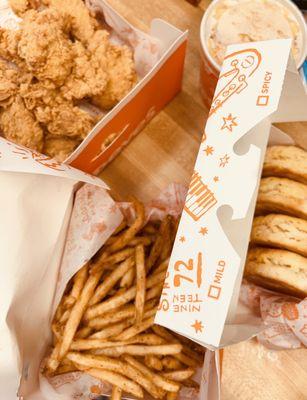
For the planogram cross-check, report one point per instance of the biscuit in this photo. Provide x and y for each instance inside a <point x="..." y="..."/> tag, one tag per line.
<point x="282" y="195"/>
<point x="282" y="231"/>
<point x="286" y="161"/>
<point x="279" y="270"/>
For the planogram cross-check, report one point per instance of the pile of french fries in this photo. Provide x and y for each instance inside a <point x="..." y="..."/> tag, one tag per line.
<point x="104" y="324"/>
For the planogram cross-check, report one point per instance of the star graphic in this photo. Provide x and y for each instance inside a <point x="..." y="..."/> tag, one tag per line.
<point x="229" y="122"/>
<point x="203" y="231"/>
<point x="224" y="160"/>
<point x="209" y="150"/>
<point x="198" y="326"/>
<point x="216" y="179"/>
<point x="182" y="239"/>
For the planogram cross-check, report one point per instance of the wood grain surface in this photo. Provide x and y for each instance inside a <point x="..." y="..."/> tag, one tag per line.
<point x="165" y="152"/>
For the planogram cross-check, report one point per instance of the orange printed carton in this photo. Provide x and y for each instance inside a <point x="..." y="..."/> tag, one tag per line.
<point x="258" y="85"/>
<point x="159" y="61"/>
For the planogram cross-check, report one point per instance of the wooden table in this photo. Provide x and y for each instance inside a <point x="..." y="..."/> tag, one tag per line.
<point x="165" y="152"/>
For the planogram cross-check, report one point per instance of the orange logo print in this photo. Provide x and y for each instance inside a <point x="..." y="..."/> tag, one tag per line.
<point x="229" y="122"/>
<point x="189" y="266"/>
<point x="290" y="311"/>
<point x="198" y="326"/>
<point x="199" y="198"/>
<point x="239" y="66"/>
<point x="40" y="158"/>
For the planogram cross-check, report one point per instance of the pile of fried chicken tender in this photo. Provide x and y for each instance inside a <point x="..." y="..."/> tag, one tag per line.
<point x="59" y="58"/>
<point x="104" y="324"/>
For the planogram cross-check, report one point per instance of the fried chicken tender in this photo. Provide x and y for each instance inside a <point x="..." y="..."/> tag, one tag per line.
<point x="121" y="75"/>
<point x="88" y="77"/>
<point x="9" y="40"/>
<point x="82" y="24"/>
<point x="59" y="147"/>
<point x="8" y="83"/>
<point x="19" y="125"/>
<point x="45" y="47"/>
<point x="21" y="6"/>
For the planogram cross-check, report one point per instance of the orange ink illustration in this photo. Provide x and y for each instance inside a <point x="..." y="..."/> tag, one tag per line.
<point x="199" y="199"/>
<point x="239" y="66"/>
<point x="113" y="209"/>
<point x="290" y="311"/>
<point x="198" y="326"/>
<point x="224" y="160"/>
<point x="229" y="123"/>
<point x="203" y="231"/>
<point x="216" y="179"/>
<point x="39" y="158"/>
<point x="209" y="150"/>
<point x="189" y="266"/>
<point x="182" y="239"/>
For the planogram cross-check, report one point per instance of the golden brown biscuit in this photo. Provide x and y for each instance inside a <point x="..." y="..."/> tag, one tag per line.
<point x="282" y="195"/>
<point x="286" y="161"/>
<point x="279" y="270"/>
<point x="282" y="231"/>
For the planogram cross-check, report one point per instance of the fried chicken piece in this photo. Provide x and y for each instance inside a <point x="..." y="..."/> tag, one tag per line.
<point x="121" y="76"/>
<point x="45" y="47"/>
<point x="82" y="23"/>
<point x="21" y="6"/>
<point x="88" y="77"/>
<point x="19" y="125"/>
<point x="65" y="119"/>
<point x="9" y="78"/>
<point x="9" y="40"/>
<point x="59" y="147"/>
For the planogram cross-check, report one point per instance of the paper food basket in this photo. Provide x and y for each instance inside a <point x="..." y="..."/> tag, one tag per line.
<point x="258" y="85"/>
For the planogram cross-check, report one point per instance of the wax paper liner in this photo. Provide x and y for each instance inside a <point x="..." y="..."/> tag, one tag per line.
<point x="285" y="317"/>
<point x="81" y="244"/>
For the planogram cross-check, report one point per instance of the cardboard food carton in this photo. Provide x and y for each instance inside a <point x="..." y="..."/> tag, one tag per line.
<point x="159" y="60"/>
<point x="54" y="219"/>
<point x="258" y="85"/>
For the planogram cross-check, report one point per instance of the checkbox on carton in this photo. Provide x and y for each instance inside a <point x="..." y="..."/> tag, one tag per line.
<point x="262" y="100"/>
<point x="214" y="292"/>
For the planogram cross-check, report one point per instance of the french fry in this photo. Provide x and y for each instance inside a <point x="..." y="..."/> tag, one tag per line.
<point x="128" y="279"/>
<point x="139" y="350"/>
<point x="125" y="237"/>
<point x="65" y="369"/>
<point x="162" y="267"/>
<point x="116" y="393"/>
<point x="154" y="292"/>
<point x="77" y="313"/>
<point x="180" y="375"/>
<point x="166" y="235"/>
<point x="190" y="383"/>
<point x="171" y="363"/>
<point x="103" y="289"/>
<point x="154" y="362"/>
<point x="118" y="257"/>
<point x="118" y="380"/>
<point x="118" y="366"/>
<point x="135" y="329"/>
<point x="83" y="332"/>
<point x="112" y="330"/>
<point x="52" y="362"/>
<point x="121" y="314"/>
<point x="79" y="282"/>
<point x="154" y="252"/>
<point x="119" y="300"/>
<point x="140" y="283"/>
<point x="171" y="396"/>
<point x="157" y="379"/>
<point x="189" y="362"/>
<point x="64" y="317"/>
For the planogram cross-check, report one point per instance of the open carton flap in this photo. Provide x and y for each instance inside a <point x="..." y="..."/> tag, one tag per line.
<point x="204" y="276"/>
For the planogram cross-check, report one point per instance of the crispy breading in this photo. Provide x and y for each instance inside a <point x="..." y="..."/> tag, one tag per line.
<point x="59" y="147"/>
<point x="121" y="75"/>
<point x="21" y="6"/>
<point x="19" y="125"/>
<point x="44" y="46"/>
<point x="82" y="24"/>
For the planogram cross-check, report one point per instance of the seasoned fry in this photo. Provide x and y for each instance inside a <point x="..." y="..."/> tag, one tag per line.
<point x="158" y="380"/>
<point x="118" y="380"/>
<point x="103" y="289"/>
<point x="112" y="330"/>
<point x="180" y="375"/>
<point x="190" y="383"/>
<point x="154" y="362"/>
<point x="125" y="237"/>
<point x="104" y="324"/>
<point x="77" y="312"/>
<point x="135" y="329"/>
<point x="140" y="282"/>
<point x="128" y="279"/>
<point x="117" y="366"/>
<point x="116" y="393"/>
<point x="171" y="363"/>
